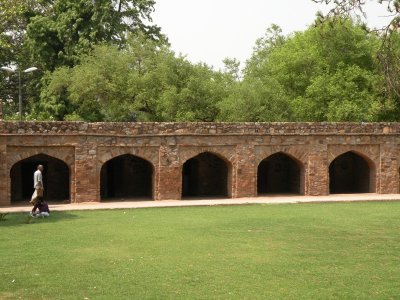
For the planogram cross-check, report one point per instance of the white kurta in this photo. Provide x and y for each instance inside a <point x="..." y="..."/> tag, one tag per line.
<point x="37" y="179"/>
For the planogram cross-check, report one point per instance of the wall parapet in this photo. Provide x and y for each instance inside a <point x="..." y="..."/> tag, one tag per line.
<point x="169" y="128"/>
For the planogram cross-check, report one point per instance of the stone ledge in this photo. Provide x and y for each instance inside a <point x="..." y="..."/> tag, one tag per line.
<point x="207" y="129"/>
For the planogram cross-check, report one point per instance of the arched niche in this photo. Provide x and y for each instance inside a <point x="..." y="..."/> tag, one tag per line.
<point x="351" y="173"/>
<point x="56" y="179"/>
<point x="280" y="174"/>
<point x="126" y="177"/>
<point x="206" y="175"/>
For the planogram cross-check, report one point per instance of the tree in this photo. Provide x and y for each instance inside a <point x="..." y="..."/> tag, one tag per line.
<point x="55" y="33"/>
<point x="257" y="96"/>
<point x="272" y="39"/>
<point x="66" y="29"/>
<point x="232" y="69"/>
<point x="14" y="16"/>
<point x="195" y="94"/>
<point x="316" y="51"/>
<point x="351" y="93"/>
<point x="389" y="53"/>
<point x="106" y="85"/>
<point x="255" y="101"/>
<point x="349" y="8"/>
<point x="326" y="73"/>
<point x="144" y="81"/>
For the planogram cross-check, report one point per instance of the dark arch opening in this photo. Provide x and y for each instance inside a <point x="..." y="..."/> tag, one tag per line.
<point x="56" y="179"/>
<point x="349" y="173"/>
<point x="278" y="174"/>
<point x="205" y="175"/>
<point x="126" y="177"/>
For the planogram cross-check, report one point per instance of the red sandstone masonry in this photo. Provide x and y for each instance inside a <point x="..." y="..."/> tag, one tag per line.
<point x="177" y="129"/>
<point x="85" y="147"/>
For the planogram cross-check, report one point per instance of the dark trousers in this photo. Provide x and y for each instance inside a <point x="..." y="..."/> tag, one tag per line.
<point x="38" y="203"/>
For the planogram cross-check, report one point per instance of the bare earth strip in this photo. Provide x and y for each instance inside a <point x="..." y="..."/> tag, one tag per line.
<point x="209" y="202"/>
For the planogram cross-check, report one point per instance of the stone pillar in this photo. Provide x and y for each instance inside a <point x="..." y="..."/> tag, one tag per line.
<point x="317" y="172"/>
<point x="72" y="184"/>
<point x="169" y="175"/>
<point x="5" y="185"/>
<point x="389" y="170"/>
<point x="87" y="179"/>
<point x="245" y="172"/>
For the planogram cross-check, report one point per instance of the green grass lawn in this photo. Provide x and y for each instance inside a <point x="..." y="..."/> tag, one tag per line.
<point x="313" y="251"/>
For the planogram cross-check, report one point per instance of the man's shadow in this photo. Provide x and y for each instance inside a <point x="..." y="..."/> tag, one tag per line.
<point x="23" y="219"/>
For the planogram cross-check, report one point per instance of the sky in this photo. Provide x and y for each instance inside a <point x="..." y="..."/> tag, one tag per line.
<point x="210" y="30"/>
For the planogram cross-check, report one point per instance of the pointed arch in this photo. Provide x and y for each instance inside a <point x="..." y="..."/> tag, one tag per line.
<point x="352" y="172"/>
<point x="126" y="176"/>
<point x="56" y="178"/>
<point x="207" y="174"/>
<point x="280" y="173"/>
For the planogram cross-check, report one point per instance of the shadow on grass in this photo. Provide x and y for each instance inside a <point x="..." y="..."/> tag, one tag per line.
<point x="18" y="219"/>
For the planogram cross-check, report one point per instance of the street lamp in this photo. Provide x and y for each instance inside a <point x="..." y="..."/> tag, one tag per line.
<point x="10" y="70"/>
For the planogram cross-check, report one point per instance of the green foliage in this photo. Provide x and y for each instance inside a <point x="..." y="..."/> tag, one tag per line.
<point x="103" y="60"/>
<point x="55" y="104"/>
<point x="315" y="51"/>
<point x="68" y="29"/>
<point x="258" y="97"/>
<point x="232" y="69"/>
<point x="14" y="16"/>
<point x="273" y="39"/>
<point x="350" y="94"/>
<point x="326" y="73"/>
<point x="255" y="101"/>
<point x="195" y="97"/>
<point x="388" y="59"/>
<point x="144" y="81"/>
<point x="52" y="34"/>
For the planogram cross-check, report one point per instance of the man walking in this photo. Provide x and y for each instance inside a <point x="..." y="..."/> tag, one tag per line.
<point x="38" y="186"/>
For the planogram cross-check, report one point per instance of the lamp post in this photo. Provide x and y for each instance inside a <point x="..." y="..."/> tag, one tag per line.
<point x="10" y="70"/>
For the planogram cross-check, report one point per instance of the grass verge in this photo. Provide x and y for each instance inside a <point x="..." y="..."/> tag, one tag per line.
<point x="312" y="251"/>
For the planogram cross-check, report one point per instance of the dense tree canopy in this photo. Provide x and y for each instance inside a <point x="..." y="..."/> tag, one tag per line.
<point x="327" y="73"/>
<point x="388" y="56"/>
<point x="67" y="29"/>
<point x="56" y="33"/>
<point x="13" y="22"/>
<point x="144" y="81"/>
<point x="104" y="60"/>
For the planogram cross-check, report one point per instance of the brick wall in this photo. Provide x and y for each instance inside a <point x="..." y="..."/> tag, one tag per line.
<point x="84" y="148"/>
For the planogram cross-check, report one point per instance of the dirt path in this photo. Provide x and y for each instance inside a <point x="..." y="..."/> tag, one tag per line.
<point x="209" y="202"/>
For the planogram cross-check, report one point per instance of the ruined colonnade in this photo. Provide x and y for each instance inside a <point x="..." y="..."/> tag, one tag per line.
<point x="91" y="162"/>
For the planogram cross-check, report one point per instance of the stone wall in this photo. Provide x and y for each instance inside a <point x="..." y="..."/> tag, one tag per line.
<point x="312" y="147"/>
<point x="175" y="129"/>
